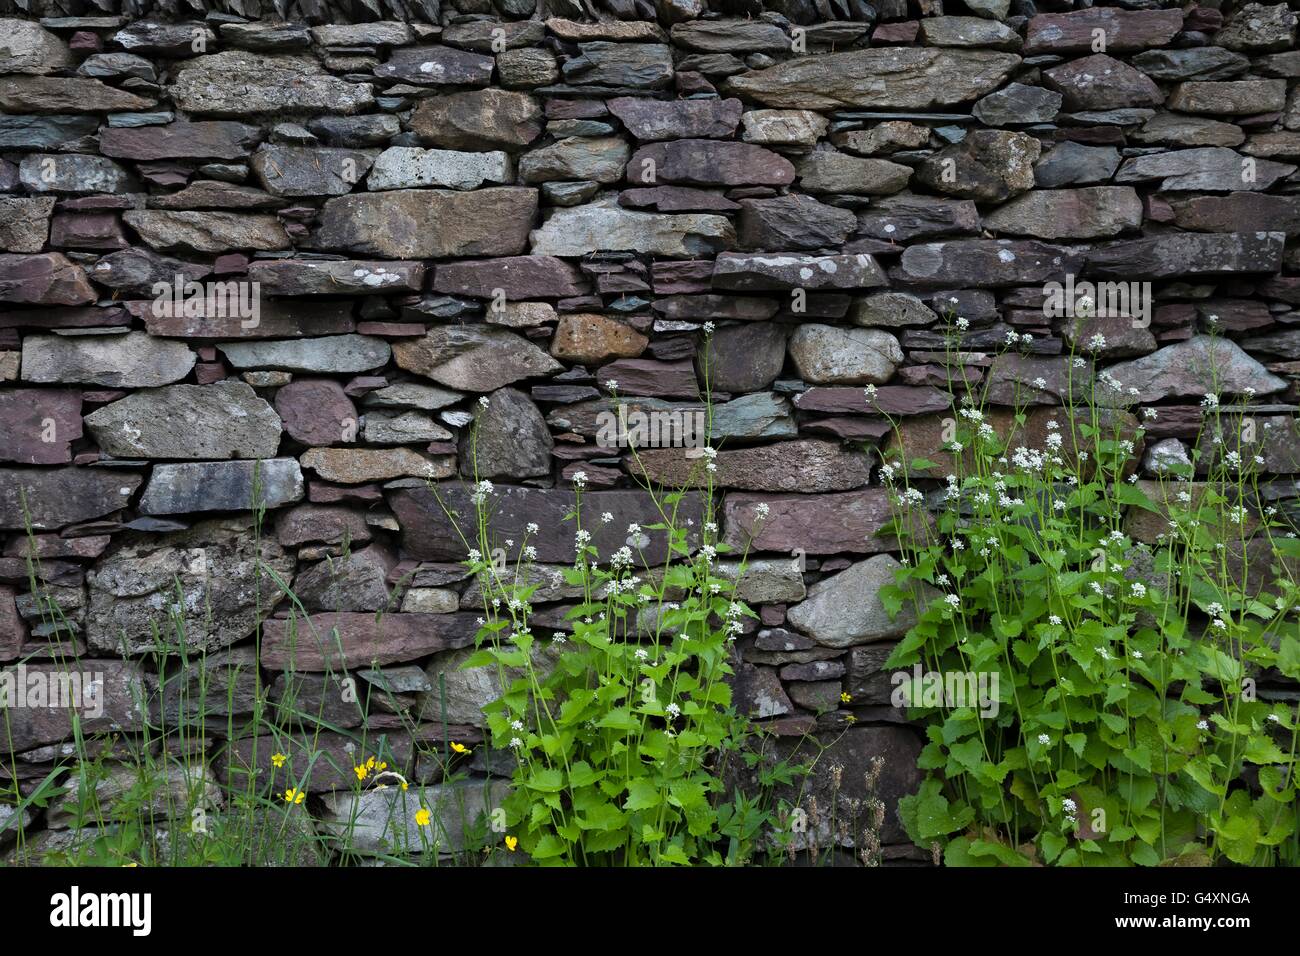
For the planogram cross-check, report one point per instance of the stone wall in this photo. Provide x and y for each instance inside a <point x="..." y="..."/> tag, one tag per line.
<point x="524" y="203"/>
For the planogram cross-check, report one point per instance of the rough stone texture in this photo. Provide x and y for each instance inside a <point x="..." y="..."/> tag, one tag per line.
<point x="1191" y="369"/>
<point x="134" y="588"/>
<point x="896" y="78"/>
<point x="394" y="224"/>
<point x="133" y="360"/>
<point x="222" y="486"/>
<point x="239" y="83"/>
<point x="223" y="420"/>
<point x="846" y="609"/>
<point x="473" y="359"/>
<point x="511" y="440"/>
<point x="436" y="204"/>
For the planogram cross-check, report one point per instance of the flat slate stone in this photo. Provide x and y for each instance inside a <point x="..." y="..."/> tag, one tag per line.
<point x="394" y="224"/>
<point x="330" y="353"/>
<point x="47" y="279"/>
<point x="428" y="534"/>
<point x="333" y="640"/>
<point x="38" y="425"/>
<point x="241" y="83"/>
<point x="133" y="360"/>
<point x="336" y="277"/>
<point x="298" y="171"/>
<point x="649" y="120"/>
<point x="222" y="420"/>
<point x="905" y="78"/>
<point x="810" y="524"/>
<point x="221" y="486"/>
<point x="517" y="277"/>
<point x="48" y="499"/>
<point x="603" y="225"/>
<point x="182" y="140"/>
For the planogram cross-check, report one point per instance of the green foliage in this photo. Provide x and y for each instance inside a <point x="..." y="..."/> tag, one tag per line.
<point x="1127" y="628"/>
<point x="620" y="720"/>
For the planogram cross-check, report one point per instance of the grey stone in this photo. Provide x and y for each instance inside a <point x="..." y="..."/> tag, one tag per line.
<point x="400" y="427"/>
<point x="1092" y="212"/>
<point x="394" y="224"/>
<point x="473" y="358"/>
<point x="296" y="171"/>
<point x="601" y="63"/>
<point x="330" y="353"/>
<point x="1207" y="168"/>
<point x="846" y="609"/>
<point x="356" y="581"/>
<point x="240" y="83"/>
<point x="988" y="166"/>
<point x="382" y="822"/>
<point x="49" y="173"/>
<point x="25" y="223"/>
<point x="968" y="32"/>
<point x="827" y="171"/>
<point x="478" y="119"/>
<point x="207" y="232"/>
<point x="1017" y="104"/>
<point x="793" y="222"/>
<point x="1072" y="163"/>
<point x="604" y="225"/>
<point x="891" y="310"/>
<point x="222" y="486"/>
<point x="799" y="129"/>
<point x="408" y="167"/>
<point x="598" y="159"/>
<point x="207" y="576"/>
<point x="886" y="77"/>
<point x="830" y="355"/>
<point x="133" y="360"/>
<point x="1194" y="368"/>
<point x="29" y="48"/>
<point x="222" y="420"/>
<point x="741" y="272"/>
<point x="437" y="66"/>
<point x="510" y="439"/>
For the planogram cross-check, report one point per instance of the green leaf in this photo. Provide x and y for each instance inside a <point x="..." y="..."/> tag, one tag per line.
<point x="546" y="780"/>
<point x="642" y="795"/>
<point x="1238" y="837"/>
<point x="548" y="847"/>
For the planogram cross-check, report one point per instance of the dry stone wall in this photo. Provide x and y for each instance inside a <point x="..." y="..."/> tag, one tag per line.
<point x="244" y="257"/>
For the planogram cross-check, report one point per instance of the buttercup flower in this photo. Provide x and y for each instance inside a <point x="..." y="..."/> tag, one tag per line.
<point x="277" y="760"/>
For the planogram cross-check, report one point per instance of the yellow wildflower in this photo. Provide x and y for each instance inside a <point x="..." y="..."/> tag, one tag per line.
<point x="422" y="817"/>
<point x="362" y="772"/>
<point x="845" y="697"/>
<point x="277" y="760"/>
<point x="294" y="795"/>
<point x="459" y="748"/>
<point x="511" y="843"/>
